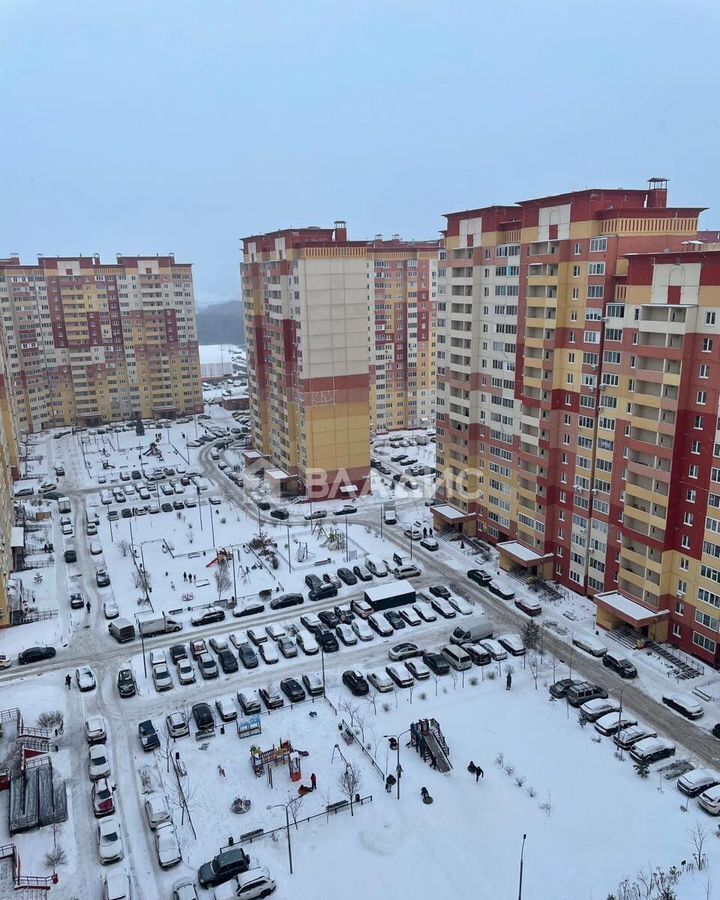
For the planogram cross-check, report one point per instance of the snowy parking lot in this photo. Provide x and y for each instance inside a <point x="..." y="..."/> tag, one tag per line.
<point x="225" y="545"/>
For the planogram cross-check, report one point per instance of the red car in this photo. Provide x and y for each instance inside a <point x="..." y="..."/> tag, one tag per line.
<point x="530" y="607"/>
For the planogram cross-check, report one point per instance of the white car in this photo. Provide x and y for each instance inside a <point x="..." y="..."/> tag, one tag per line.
<point x="425" y="611"/>
<point x="116" y="885"/>
<point x="346" y="635"/>
<point x="461" y="605"/>
<point x="85" y="678"/>
<point x="226" y="709"/>
<point x="249" y="885"/>
<point x="95" y="729"/>
<point x="592" y="710"/>
<point x="268" y="652"/>
<point x="417" y="669"/>
<point x="496" y="650"/>
<point x="109" y="840"/>
<point x="177" y="725"/>
<point x="157" y="657"/>
<point x="156" y="810"/>
<point x="162" y="679"/>
<point x="443" y="608"/>
<point x="400" y="676"/>
<point x="276" y="631"/>
<point x="167" y="846"/>
<point x="287" y="646"/>
<point x="215" y="501"/>
<point x="185" y="671"/>
<point x="410" y="615"/>
<point x="380" y="681"/>
<point x="307" y="643"/>
<point x="110" y="609"/>
<point x="95" y="548"/>
<point x="98" y="764"/>
<point x="404" y="650"/>
<point x="362" y="629"/>
<point x="184" y="888"/>
<point x="413" y="533"/>
<point x="67" y="530"/>
<point x="612" y="723"/>
<point x="381" y="625"/>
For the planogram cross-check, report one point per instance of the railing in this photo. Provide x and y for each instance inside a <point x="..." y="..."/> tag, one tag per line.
<point x="333" y="808"/>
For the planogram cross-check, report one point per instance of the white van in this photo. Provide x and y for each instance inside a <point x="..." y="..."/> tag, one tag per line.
<point x="710" y="800"/>
<point x="590" y="644"/>
<point x="105" y="497"/>
<point x="389" y="515"/>
<point x="377" y="566"/>
<point x="472" y="631"/>
<point x="457" y="657"/>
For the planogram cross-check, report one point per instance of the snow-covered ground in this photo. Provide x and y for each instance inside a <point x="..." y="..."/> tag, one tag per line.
<point x="590" y="819"/>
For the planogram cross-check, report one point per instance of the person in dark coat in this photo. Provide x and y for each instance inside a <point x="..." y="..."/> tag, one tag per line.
<point x="313" y="781"/>
<point x="508" y="681"/>
<point x="478" y="774"/>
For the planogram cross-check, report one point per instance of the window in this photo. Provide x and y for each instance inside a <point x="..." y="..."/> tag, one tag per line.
<point x="709" y="318"/>
<point x="701" y="398"/>
<point x="598" y="245"/>
<point x="696" y="448"/>
<point x="596" y="268"/>
<point x="704" y="371"/>
<point x="703" y="642"/>
<point x="596" y="291"/>
<point x="688" y="519"/>
<point x="611" y="356"/>
<point x="576" y="293"/>
<point x="685" y="543"/>
<point x="679" y="608"/>
<point x="676" y="630"/>
<point x="693" y="471"/>
<point x="707" y="345"/>
<point x="578" y="249"/>
<point x="576" y="271"/>
<point x="699" y="420"/>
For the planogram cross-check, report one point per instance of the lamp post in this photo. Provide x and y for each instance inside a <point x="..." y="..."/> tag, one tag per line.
<point x="522" y="853"/>
<point x="286" y="807"/>
<point x="398" y="769"/>
<point x="199" y="500"/>
<point x="287" y="525"/>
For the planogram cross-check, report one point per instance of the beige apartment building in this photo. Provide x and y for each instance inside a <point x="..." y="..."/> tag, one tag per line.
<point x="91" y="342"/>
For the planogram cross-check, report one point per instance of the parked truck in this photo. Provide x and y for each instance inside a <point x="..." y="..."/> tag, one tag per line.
<point x="388" y="596"/>
<point x="64" y="505"/>
<point x="150" y="623"/>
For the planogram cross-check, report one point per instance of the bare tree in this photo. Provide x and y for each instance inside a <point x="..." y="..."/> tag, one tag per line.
<point x="124" y="546"/>
<point x="189" y="536"/>
<point x="697" y="835"/>
<point x="223" y="581"/>
<point x="142" y="580"/>
<point x="534" y="665"/>
<point x="530" y="634"/>
<point x="349" y="783"/>
<point x="53" y="719"/>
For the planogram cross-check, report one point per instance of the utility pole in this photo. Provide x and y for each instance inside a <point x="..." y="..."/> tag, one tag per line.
<point x="522" y="854"/>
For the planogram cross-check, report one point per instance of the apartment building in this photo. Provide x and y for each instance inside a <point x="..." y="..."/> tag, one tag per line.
<point x="340" y="338"/>
<point x="402" y="305"/>
<point x="305" y="293"/>
<point x="569" y="359"/>
<point x="90" y="342"/>
<point x="8" y="470"/>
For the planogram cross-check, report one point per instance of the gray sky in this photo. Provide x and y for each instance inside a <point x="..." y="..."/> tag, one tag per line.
<point x="172" y="125"/>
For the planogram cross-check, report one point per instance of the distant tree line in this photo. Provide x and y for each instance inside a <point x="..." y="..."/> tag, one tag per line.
<point x="221" y="323"/>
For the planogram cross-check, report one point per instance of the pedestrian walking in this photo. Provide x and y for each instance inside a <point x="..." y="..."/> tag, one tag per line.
<point x="87" y="606"/>
<point x="184" y="576"/>
<point x="313" y="781"/>
<point x="433" y="761"/>
<point x="424" y="532"/>
<point x="388" y="784"/>
<point x="430" y="531"/>
<point x="68" y="682"/>
<point x="508" y="682"/>
<point x="471" y="767"/>
<point x="221" y="771"/>
<point x="478" y="774"/>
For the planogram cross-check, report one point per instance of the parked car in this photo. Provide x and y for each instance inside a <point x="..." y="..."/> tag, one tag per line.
<point x="528" y="606"/>
<point x="184" y="889"/>
<point x="77" y="601"/>
<point x="162" y="679"/>
<point x="443" y="608"/>
<point x="651" y="750"/>
<point x="615" y="660"/>
<point x="103" y="798"/>
<point x="126" y="683"/>
<point x="697" y="781"/>
<point x="589" y="643"/>
<point x="479" y="655"/>
<point x="226" y="709"/>
<point x="177" y="725"/>
<point x="613" y="722"/>
<point x="709" y="800"/>
<point x="347" y="576"/>
<point x="185" y="671"/>
<point x="316" y="514"/>
<point x="208" y="616"/>
<point x="257" y="636"/>
<point x="512" y="643"/>
<point x="271" y="697"/>
<point x="502" y="592"/>
<point x="208" y="667"/>
<point x="269" y="653"/>
<point x="228" y="662"/>
<point x="149" y="739"/>
<point x="344" y="614"/>
<point x="157" y="811"/>
<point x="307" y="643"/>
<point x="283" y="601"/>
<point x="494" y="648"/>
<point x="98" y="763"/>
<point x="218" y="643"/>
<point x="249" y="701"/>
<point x="406" y="650"/>
<point x="362" y="630"/>
<point x="109" y="841"/>
<point x="400" y="676"/>
<point x="361" y="608"/>
<point x="203" y="718"/>
<point x="221" y="868"/>
<point x="321" y="593"/>
<point x="417" y="669"/>
<point x="346" y="510"/>
<point x="102" y="578"/>
<point x="95" y="729"/>
<point x="627" y="737"/>
<point x="329" y="618"/>
<point x="480" y="576"/>
<point x="85" y="678"/>
<point x="429" y="543"/>
<point x="293" y="690"/>
<point x="313" y="684"/>
<point x="346" y="635"/>
<point x="362" y="573"/>
<point x="559" y="689"/>
<point x="394" y="618"/>
<point x="247" y="656"/>
<point x="282" y="514"/>
<point x="425" y="611"/>
<point x="287" y="646"/>
<point x="584" y="691"/>
<point x="249" y="608"/>
<point x="198" y="648"/>
<point x="410" y="615"/>
<point x="684" y="705"/>
<point x="380" y="625"/>
<point x="327" y="641"/>
<point x="110" y="609"/>
<point x="594" y="709"/>
<point x="356" y="682"/>
<point x="381" y="681"/>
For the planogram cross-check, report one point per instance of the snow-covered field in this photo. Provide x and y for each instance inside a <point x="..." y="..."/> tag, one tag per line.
<point x="590" y="819"/>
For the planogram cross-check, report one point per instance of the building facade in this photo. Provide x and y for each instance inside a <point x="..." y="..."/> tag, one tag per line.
<point x="339" y="338"/>
<point x="403" y="310"/>
<point x="91" y="342"/>
<point x="576" y="416"/>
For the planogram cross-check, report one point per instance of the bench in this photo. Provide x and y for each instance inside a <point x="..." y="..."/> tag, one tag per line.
<point x="250" y="836"/>
<point x="334" y="807"/>
<point x="699" y="692"/>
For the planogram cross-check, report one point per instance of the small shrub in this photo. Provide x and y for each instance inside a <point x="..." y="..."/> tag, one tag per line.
<point x="546" y="807"/>
<point x="422" y="695"/>
<point x="499" y="760"/>
<point x="582" y="721"/>
<point x="642" y="768"/>
<point x="474" y="681"/>
<point x="531" y="792"/>
<point x="444" y="690"/>
<point x="520" y="780"/>
<point x="509" y="769"/>
<point x="492" y="675"/>
<point x="386" y="707"/>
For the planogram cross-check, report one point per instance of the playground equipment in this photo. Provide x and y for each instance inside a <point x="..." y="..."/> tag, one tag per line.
<point x="275" y="756"/>
<point x="428" y="740"/>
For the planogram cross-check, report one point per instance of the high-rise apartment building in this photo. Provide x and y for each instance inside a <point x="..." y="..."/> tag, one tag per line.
<point x="402" y="306"/>
<point x="339" y="334"/>
<point x="576" y="416"/>
<point x="92" y="342"/>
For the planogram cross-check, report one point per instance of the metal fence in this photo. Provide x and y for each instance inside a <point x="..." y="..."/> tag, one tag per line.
<point x="330" y="810"/>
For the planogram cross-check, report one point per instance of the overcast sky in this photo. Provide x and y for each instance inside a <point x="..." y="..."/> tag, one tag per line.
<point x="146" y="126"/>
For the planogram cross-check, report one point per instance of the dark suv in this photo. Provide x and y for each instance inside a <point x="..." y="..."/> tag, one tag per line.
<point x="126" y="683"/>
<point x="322" y="592"/>
<point x="286" y="600"/>
<point x="622" y="666"/>
<point x="205" y="721"/>
<point x="221" y="868"/>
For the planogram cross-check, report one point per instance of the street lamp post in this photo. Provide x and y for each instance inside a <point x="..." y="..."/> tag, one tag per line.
<point x="212" y="527"/>
<point x="287" y="525"/>
<point x="199" y="500"/>
<point x="522" y="853"/>
<point x="286" y="807"/>
<point x="398" y="769"/>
